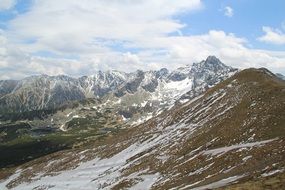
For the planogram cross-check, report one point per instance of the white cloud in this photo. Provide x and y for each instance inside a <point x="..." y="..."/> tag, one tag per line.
<point x="170" y="52"/>
<point x="16" y="63"/>
<point x="121" y="34"/>
<point x="230" y="49"/>
<point x="228" y="11"/>
<point x="60" y="25"/>
<point x="273" y="36"/>
<point x="7" y="4"/>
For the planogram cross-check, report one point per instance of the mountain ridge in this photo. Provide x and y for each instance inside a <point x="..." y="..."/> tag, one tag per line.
<point x="43" y="91"/>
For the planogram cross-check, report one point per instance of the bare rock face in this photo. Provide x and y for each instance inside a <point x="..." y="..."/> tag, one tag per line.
<point x="7" y="86"/>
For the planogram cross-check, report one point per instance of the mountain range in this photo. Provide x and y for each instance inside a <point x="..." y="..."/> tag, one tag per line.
<point x="50" y="92"/>
<point x="202" y="126"/>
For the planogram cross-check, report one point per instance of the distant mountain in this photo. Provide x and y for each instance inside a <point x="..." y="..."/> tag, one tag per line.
<point x="232" y="135"/>
<point x="50" y="92"/>
<point x="280" y="76"/>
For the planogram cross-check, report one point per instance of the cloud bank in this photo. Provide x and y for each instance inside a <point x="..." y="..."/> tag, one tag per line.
<point x="80" y="37"/>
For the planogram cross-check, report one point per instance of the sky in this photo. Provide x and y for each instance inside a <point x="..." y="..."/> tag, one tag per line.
<point x="81" y="37"/>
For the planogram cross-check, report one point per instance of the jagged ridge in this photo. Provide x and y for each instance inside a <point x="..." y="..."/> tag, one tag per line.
<point x="49" y="92"/>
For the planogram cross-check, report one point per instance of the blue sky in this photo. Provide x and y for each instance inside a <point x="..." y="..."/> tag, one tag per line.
<point x="80" y="37"/>
<point x="247" y="21"/>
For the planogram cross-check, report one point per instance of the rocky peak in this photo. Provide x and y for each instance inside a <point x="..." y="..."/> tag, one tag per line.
<point x="212" y="63"/>
<point x="213" y="60"/>
<point x="162" y="73"/>
<point x="180" y="74"/>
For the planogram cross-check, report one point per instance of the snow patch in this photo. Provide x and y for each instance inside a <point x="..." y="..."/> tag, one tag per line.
<point x="246" y="158"/>
<point x="69" y="114"/>
<point x="3" y="183"/>
<point x="223" y="150"/>
<point x="147" y="182"/>
<point x="220" y="183"/>
<point x="62" y="127"/>
<point x="272" y="172"/>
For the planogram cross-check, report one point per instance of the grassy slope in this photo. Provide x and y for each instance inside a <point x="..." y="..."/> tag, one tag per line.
<point x="276" y="182"/>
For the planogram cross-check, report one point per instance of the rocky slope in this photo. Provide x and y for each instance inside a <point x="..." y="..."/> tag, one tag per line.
<point x="233" y="133"/>
<point x="51" y="92"/>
